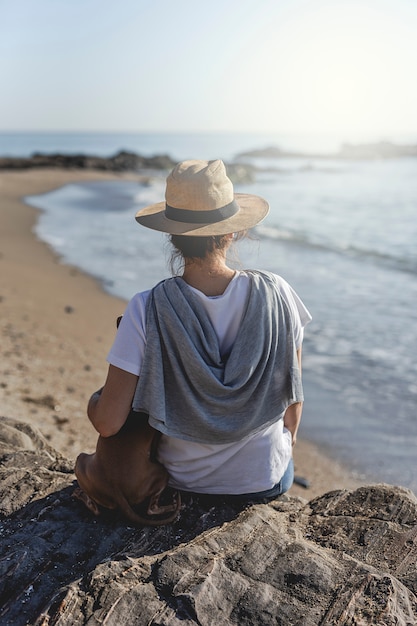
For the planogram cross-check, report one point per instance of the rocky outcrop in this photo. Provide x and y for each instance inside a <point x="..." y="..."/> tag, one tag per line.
<point x="348" y="151"/>
<point x="120" y="162"/>
<point x="379" y="150"/>
<point x="348" y="557"/>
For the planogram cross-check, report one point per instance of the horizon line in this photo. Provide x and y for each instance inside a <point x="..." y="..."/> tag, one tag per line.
<point x="208" y="132"/>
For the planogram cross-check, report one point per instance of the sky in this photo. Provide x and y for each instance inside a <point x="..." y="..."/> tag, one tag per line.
<point x="212" y="65"/>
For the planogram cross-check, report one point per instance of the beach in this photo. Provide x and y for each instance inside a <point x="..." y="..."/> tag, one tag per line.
<point x="57" y="327"/>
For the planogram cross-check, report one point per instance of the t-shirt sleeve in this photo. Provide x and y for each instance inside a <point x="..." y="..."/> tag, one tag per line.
<point x="128" y="347"/>
<point x="301" y="315"/>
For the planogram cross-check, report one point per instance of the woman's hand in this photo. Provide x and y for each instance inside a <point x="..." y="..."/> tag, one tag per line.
<point x="109" y="407"/>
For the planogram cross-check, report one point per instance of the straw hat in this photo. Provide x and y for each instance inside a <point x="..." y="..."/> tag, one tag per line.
<point x="199" y="201"/>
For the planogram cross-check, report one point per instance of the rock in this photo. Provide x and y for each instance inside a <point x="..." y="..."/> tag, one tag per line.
<point x="122" y="161"/>
<point x="241" y="173"/>
<point x="348" y="557"/>
<point x="368" y="151"/>
<point x="270" y="152"/>
<point x="378" y="150"/>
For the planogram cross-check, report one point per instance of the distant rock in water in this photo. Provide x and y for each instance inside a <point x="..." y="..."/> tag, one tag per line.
<point x="348" y="557"/>
<point x="270" y="152"/>
<point x="380" y="150"/>
<point x="370" y="151"/>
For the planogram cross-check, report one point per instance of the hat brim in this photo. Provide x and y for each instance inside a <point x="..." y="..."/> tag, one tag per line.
<point x="252" y="210"/>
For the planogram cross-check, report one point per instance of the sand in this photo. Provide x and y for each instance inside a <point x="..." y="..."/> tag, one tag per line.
<point x="57" y="325"/>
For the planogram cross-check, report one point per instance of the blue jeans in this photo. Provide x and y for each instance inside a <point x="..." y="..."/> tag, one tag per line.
<point x="260" y="497"/>
<point x="275" y="491"/>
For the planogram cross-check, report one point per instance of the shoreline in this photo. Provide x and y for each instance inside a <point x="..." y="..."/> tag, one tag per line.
<point x="58" y="324"/>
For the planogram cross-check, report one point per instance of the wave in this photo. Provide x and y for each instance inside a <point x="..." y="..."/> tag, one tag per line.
<point x="400" y="263"/>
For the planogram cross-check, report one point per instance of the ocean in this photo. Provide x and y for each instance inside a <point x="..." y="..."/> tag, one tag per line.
<point x="343" y="233"/>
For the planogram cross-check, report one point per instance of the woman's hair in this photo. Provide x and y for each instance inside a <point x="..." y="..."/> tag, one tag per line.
<point x="189" y="247"/>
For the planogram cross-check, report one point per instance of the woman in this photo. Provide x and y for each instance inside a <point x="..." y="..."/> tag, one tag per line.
<point x="214" y="356"/>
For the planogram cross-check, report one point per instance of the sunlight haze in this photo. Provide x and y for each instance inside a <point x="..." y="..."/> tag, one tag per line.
<point x="251" y="65"/>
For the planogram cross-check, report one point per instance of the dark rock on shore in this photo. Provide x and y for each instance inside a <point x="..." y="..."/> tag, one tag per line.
<point x="348" y="557"/>
<point x="120" y="162"/>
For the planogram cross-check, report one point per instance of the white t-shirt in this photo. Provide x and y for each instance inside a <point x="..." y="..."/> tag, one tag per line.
<point x="253" y="464"/>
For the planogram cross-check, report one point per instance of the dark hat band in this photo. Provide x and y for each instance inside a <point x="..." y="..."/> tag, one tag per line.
<point x="202" y="217"/>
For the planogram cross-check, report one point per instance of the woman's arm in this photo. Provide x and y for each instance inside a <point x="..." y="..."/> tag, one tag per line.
<point x="293" y="414"/>
<point x="292" y="419"/>
<point x="109" y="407"/>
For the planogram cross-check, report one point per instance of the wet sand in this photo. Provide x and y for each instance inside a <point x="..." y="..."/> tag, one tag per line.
<point x="57" y="325"/>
